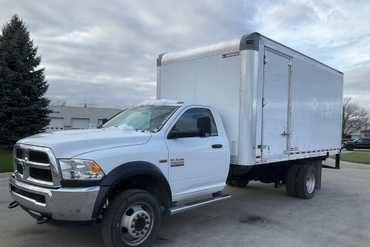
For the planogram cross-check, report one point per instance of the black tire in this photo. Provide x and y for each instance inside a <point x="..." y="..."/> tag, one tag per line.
<point x="291" y="180"/>
<point x="116" y="235"/>
<point x="305" y="189"/>
<point x="349" y="147"/>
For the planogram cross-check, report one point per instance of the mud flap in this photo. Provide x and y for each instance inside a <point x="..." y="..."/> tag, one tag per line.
<point x="337" y="161"/>
<point x="318" y="169"/>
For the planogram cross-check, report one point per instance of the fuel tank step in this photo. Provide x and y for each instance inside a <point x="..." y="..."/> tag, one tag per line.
<point x="190" y="206"/>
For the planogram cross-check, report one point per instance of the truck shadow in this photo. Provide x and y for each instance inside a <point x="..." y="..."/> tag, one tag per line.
<point x="242" y="212"/>
<point x="239" y="212"/>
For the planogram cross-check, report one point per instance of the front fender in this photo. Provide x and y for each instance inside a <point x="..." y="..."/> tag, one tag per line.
<point x="126" y="171"/>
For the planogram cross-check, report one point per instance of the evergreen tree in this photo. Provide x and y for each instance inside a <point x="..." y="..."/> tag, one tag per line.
<point x="23" y="107"/>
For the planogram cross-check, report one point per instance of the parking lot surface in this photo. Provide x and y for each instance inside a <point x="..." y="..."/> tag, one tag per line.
<point x="259" y="215"/>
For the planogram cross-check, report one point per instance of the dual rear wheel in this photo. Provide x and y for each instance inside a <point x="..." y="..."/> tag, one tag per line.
<point x="301" y="181"/>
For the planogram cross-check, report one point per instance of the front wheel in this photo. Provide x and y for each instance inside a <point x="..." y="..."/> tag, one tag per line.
<point x="132" y="219"/>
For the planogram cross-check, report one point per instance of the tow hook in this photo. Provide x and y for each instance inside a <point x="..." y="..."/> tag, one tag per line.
<point x="41" y="220"/>
<point x="13" y="204"/>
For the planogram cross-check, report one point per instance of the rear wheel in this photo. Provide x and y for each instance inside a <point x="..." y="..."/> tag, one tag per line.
<point x="306" y="183"/>
<point x="132" y="219"/>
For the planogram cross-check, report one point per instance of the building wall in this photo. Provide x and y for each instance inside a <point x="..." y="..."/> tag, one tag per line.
<point x="72" y="117"/>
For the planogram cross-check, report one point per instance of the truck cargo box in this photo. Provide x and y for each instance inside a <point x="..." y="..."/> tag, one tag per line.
<point x="276" y="103"/>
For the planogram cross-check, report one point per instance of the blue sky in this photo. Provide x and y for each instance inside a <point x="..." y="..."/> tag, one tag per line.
<point x="103" y="52"/>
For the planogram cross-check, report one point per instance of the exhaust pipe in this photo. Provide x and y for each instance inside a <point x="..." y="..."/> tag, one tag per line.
<point x="41" y="220"/>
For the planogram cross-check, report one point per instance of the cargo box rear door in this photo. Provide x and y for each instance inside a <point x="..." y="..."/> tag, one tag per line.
<point x="275" y="132"/>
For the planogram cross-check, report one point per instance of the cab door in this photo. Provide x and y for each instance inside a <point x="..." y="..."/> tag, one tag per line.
<point x="197" y="153"/>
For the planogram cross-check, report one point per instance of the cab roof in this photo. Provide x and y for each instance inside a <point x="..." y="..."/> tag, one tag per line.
<point x="162" y="102"/>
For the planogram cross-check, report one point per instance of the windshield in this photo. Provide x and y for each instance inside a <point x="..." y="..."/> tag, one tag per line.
<point x="142" y="118"/>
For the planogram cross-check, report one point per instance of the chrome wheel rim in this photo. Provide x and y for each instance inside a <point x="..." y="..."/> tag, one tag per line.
<point x="310" y="183"/>
<point x="136" y="223"/>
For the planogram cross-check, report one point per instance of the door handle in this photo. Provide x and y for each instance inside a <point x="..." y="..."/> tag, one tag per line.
<point x="284" y="133"/>
<point x="217" y="146"/>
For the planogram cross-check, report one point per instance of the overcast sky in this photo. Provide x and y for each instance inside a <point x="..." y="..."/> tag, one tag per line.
<point x="103" y="52"/>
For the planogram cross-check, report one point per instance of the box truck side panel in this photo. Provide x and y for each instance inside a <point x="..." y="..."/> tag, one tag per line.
<point x="209" y="80"/>
<point x="316" y="108"/>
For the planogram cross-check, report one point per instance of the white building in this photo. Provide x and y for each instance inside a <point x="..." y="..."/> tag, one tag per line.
<point x="73" y="117"/>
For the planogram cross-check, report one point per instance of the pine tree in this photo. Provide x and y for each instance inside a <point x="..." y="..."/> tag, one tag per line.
<point x="23" y="107"/>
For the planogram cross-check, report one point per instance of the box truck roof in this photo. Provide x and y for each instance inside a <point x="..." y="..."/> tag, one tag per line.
<point x="250" y="41"/>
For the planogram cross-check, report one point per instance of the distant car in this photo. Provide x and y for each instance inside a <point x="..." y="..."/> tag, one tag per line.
<point x="357" y="144"/>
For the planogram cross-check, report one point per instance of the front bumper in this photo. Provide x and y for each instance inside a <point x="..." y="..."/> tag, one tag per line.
<point x="67" y="204"/>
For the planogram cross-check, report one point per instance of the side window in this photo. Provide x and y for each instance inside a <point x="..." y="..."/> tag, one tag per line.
<point x="195" y="122"/>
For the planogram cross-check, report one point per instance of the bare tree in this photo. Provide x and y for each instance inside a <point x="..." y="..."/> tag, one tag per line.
<point x="355" y="117"/>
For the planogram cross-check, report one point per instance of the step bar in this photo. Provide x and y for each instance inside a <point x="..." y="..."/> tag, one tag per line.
<point x="181" y="209"/>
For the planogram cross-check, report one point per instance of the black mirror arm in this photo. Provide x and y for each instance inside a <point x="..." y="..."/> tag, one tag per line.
<point x="172" y="135"/>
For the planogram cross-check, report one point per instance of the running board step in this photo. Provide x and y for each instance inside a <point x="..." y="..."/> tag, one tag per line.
<point x="198" y="204"/>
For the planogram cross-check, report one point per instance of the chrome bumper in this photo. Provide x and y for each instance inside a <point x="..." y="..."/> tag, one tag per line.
<point x="69" y="204"/>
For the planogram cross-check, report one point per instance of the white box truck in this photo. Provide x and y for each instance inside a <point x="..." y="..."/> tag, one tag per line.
<point x="248" y="109"/>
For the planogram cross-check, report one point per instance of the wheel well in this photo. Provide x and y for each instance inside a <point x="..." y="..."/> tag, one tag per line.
<point x="133" y="175"/>
<point x="144" y="182"/>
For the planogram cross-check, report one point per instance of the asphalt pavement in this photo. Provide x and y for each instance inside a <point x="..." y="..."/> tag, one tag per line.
<point x="259" y="215"/>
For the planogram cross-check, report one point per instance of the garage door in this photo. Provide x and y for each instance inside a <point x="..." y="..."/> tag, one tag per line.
<point x="56" y="124"/>
<point x="80" y="123"/>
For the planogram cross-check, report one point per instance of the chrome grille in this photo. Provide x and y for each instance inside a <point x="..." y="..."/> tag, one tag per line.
<point x="39" y="157"/>
<point x="36" y="165"/>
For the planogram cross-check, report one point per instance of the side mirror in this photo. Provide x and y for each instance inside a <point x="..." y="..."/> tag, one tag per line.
<point x="173" y="135"/>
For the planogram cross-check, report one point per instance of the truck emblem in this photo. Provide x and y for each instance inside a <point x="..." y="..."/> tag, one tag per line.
<point x="231" y="54"/>
<point x="177" y="162"/>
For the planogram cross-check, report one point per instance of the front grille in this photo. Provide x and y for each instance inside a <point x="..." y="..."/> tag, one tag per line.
<point x="36" y="165"/>
<point x="39" y="157"/>
<point x="41" y="174"/>
<point x="34" y="196"/>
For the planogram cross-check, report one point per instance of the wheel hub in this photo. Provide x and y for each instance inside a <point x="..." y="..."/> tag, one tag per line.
<point x="310" y="183"/>
<point x="136" y="223"/>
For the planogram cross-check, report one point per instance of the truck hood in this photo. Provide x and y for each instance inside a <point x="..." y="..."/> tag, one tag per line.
<point x="70" y="143"/>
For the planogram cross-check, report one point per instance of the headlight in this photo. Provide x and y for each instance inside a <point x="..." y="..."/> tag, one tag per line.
<point x="76" y="169"/>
